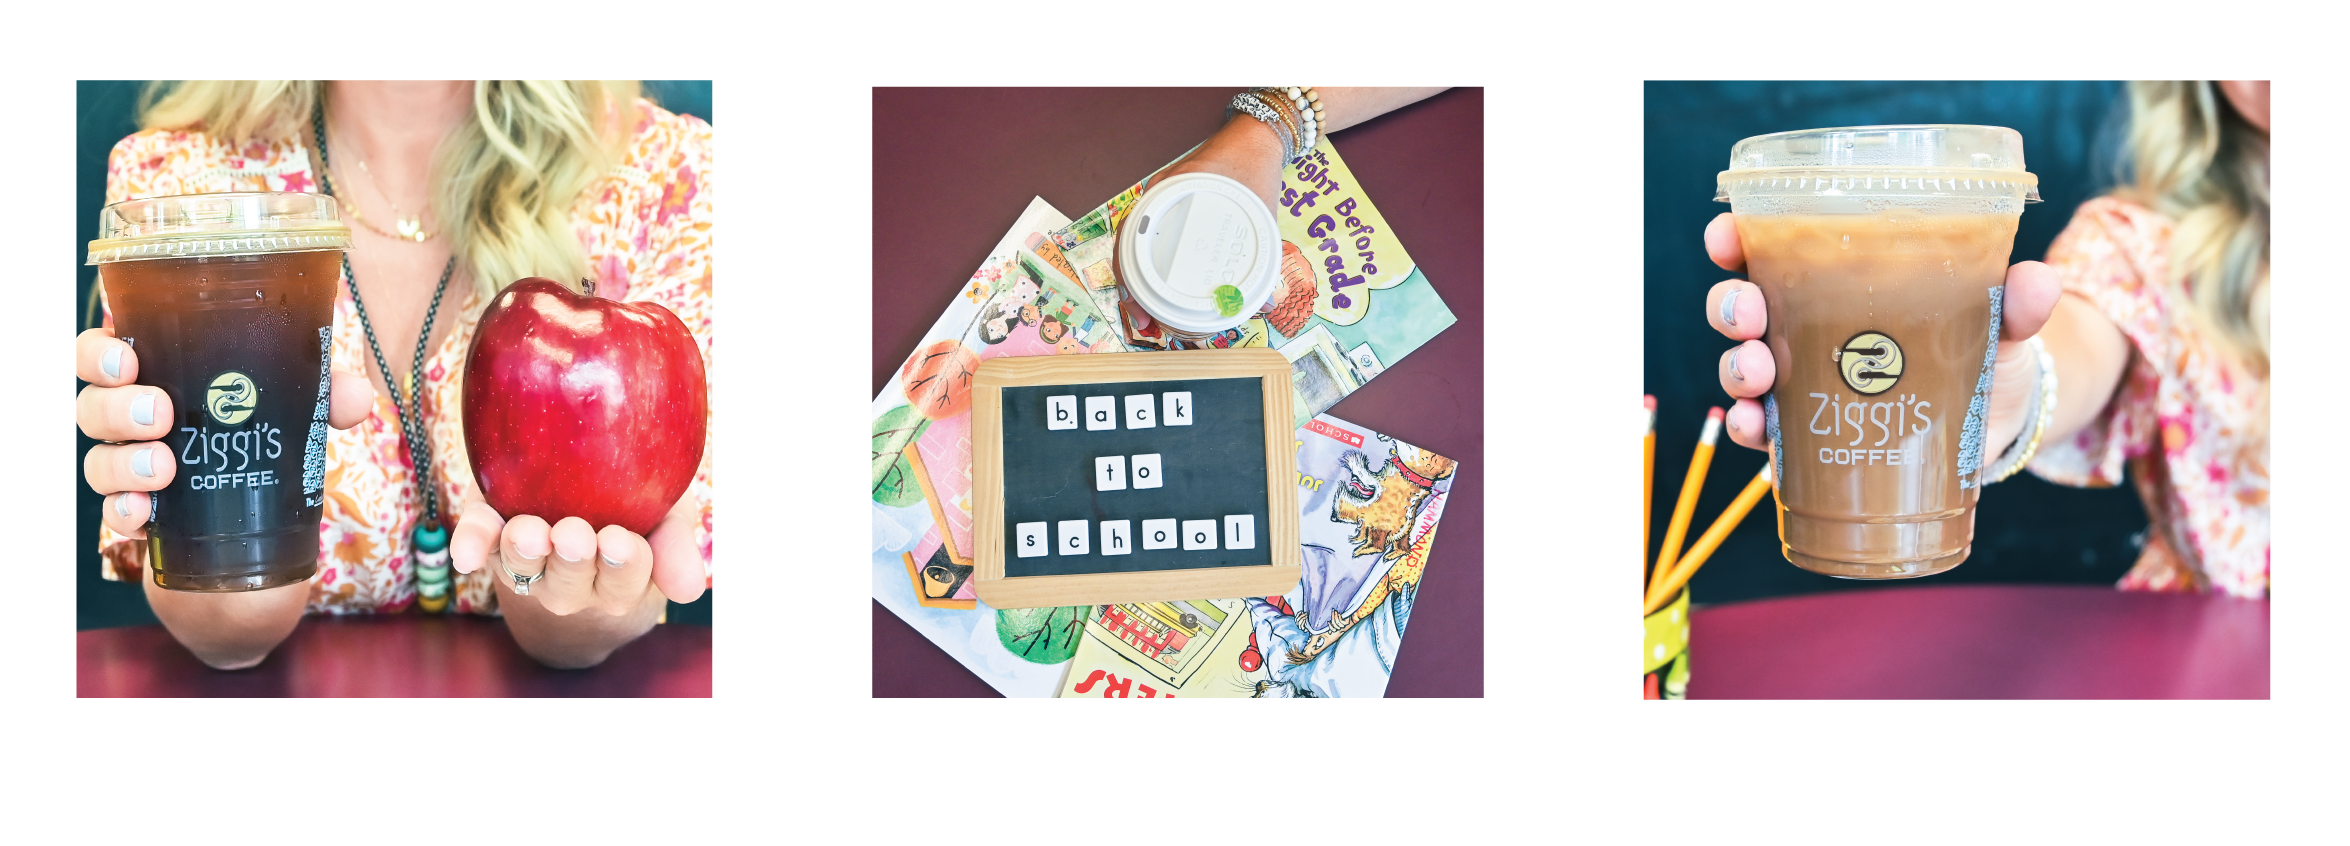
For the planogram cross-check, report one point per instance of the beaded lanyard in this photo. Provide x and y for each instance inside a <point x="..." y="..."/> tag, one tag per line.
<point x="429" y="545"/>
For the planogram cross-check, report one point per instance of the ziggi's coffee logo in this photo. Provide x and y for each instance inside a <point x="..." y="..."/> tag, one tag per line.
<point x="1870" y="362"/>
<point x="230" y="399"/>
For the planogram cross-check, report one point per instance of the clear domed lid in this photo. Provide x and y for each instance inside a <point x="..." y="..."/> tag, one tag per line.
<point x="229" y="224"/>
<point x="1945" y="159"/>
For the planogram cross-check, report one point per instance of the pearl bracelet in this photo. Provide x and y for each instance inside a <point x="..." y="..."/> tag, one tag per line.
<point x="1309" y="111"/>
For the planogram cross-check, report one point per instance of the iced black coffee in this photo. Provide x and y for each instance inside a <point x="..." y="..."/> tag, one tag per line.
<point x="228" y="300"/>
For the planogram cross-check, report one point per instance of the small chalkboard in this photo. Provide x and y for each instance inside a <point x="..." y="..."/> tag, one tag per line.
<point x="1136" y="477"/>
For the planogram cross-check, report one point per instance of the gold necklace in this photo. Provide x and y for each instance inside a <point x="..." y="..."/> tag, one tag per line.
<point x="411" y="229"/>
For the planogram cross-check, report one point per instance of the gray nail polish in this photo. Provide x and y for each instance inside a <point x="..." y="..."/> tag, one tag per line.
<point x="143" y="462"/>
<point x="1734" y="374"/>
<point x="1730" y="307"/>
<point x="608" y="560"/>
<point x="122" y="505"/>
<point x="143" y="409"/>
<point x="111" y="362"/>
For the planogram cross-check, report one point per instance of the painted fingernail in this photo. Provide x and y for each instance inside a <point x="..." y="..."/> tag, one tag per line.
<point x="143" y="462"/>
<point x="608" y="560"/>
<point x="122" y="505"/>
<point x="1730" y="307"/>
<point x="143" y="409"/>
<point x="1734" y="374"/>
<point x="111" y="362"/>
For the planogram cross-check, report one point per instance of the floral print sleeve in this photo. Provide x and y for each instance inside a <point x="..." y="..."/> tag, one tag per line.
<point x="648" y="240"/>
<point x="646" y="232"/>
<point x="2180" y="423"/>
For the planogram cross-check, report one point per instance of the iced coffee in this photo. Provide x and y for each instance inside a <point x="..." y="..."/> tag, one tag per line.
<point x="1880" y="253"/>
<point x="228" y="300"/>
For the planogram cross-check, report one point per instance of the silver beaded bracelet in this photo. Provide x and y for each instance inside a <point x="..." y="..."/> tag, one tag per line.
<point x="1303" y="101"/>
<point x="2041" y="410"/>
<point x="1248" y="103"/>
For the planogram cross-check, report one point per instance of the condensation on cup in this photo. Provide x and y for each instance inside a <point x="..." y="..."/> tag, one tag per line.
<point x="1881" y="252"/>
<point x="228" y="301"/>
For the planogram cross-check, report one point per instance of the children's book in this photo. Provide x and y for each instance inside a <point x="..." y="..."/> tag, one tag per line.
<point x="1368" y="507"/>
<point x="1020" y="302"/>
<point x="1351" y="301"/>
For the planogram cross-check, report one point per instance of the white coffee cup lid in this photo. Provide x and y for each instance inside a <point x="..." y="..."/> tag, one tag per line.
<point x="1200" y="252"/>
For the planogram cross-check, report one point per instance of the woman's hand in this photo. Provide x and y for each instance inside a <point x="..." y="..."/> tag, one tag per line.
<point x="600" y="590"/>
<point x="1246" y="150"/>
<point x="1746" y="371"/>
<point x="131" y="417"/>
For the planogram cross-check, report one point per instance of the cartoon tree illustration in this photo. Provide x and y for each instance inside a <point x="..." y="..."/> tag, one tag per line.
<point x="893" y="477"/>
<point x="937" y="378"/>
<point x="1041" y="635"/>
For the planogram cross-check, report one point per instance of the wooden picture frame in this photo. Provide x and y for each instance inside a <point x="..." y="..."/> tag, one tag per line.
<point x="987" y="462"/>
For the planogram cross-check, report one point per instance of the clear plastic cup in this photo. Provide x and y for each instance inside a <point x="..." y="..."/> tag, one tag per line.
<point x="228" y="300"/>
<point x="1881" y="252"/>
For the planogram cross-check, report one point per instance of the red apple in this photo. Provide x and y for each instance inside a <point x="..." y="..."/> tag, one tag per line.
<point x="579" y="406"/>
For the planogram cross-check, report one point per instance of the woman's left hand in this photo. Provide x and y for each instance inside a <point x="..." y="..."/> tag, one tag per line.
<point x="607" y="572"/>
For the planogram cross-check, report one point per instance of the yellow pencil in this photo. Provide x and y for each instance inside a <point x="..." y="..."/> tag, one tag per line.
<point x="1668" y="585"/>
<point x="1690" y="486"/>
<point x="1647" y="483"/>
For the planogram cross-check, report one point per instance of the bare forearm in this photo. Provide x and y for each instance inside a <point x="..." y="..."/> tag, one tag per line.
<point x="2091" y="354"/>
<point x="230" y="631"/>
<point x="574" y="641"/>
<point x="1345" y="107"/>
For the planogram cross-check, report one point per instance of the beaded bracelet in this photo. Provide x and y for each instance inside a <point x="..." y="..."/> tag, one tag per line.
<point x="2041" y="410"/>
<point x="1251" y="105"/>
<point x="1308" y="104"/>
<point x="1288" y="118"/>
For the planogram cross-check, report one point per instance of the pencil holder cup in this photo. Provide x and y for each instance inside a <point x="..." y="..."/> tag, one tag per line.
<point x="1664" y="652"/>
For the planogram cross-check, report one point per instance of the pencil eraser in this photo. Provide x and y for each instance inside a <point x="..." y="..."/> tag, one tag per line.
<point x="1714" y="413"/>
<point x="1648" y="401"/>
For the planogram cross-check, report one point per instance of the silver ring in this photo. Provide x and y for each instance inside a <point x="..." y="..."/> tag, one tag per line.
<point x="521" y="582"/>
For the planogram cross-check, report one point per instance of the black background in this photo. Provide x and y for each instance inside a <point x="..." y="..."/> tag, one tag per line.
<point x="1212" y="468"/>
<point x="2026" y="530"/>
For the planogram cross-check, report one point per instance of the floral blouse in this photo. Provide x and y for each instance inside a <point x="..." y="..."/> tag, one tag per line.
<point x="647" y="232"/>
<point x="2184" y="421"/>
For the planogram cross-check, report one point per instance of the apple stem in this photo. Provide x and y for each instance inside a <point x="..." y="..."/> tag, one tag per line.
<point x="588" y="285"/>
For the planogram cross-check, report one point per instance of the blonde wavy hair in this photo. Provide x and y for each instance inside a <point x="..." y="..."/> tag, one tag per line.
<point x="505" y="183"/>
<point x="2197" y="161"/>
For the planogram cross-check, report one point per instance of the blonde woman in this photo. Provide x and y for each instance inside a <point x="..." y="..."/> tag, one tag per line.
<point x="454" y="190"/>
<point x="2153" y="307"/>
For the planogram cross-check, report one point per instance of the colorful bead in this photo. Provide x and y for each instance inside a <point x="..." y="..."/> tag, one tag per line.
<point x="431" y="537"/>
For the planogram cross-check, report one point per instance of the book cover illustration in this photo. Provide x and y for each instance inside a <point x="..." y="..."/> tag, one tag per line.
<point x="1368" y="506"/>
<point x="1021" y="301"/>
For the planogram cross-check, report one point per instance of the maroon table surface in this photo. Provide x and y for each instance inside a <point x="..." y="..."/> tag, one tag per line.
<point x="952" y="169"/>
<point x="392" y="655"/>
<point x="1982" y="642"/>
